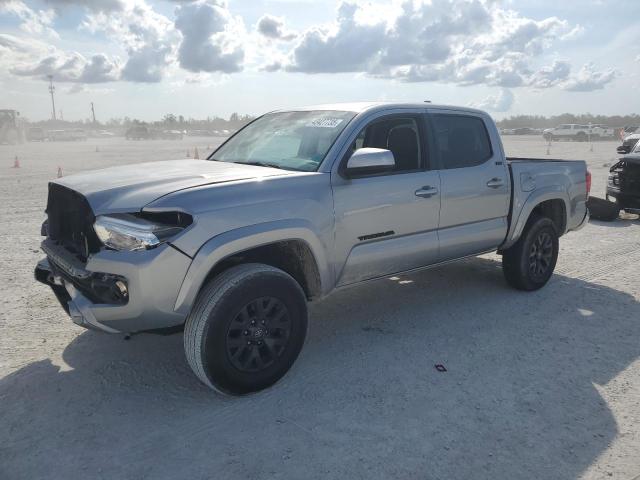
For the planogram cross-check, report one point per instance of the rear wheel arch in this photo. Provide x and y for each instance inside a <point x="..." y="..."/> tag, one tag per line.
<point x="550" y="203"/>
<point x="555" y="210"/>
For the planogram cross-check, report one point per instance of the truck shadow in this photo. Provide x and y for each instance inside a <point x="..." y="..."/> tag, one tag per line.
<point x="624" y="220"/>
<point x="522" y="396"/>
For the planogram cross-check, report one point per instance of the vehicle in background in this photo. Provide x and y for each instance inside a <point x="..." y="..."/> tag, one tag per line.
<point x="104" y="134"/>
<point x="623" y="184"/>
<point x="36" y="134"/>
<point x="629" y="130"/>
<point x="571" y="131"/>
<point x="197" y="133"/>
<point x="524" y="131"/>
<point x="138" y="132"/>
<point x="78" y="134"/>
<point x="57" y="136"/>
<point x="68" y="135"/>
<point x="171" y="135"/>
<point x="602" y="131"/>
<point x="294" y="206"/>
<point x="11" y="127"/>
<point x="629" y="143"/>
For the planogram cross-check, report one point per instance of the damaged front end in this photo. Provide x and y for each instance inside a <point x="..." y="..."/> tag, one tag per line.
<point x="99" y="286"/>
<point x="624" y="184"/>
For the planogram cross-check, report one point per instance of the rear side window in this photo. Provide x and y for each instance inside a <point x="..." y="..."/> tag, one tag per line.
<point x="462" y="141"/>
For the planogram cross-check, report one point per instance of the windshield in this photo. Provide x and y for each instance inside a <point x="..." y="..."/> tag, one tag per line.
<point x="288" y="140"/>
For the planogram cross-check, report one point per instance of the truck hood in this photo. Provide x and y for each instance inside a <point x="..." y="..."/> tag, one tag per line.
<point x="130" y="188"/>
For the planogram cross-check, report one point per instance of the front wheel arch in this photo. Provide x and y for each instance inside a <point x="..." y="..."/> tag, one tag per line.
<point x="293" y="257"/>
<point x="233" y="243"/>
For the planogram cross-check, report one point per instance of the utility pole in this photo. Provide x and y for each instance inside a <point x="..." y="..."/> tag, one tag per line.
<point x="93" y="113"/>
<point x="51" y="90"/>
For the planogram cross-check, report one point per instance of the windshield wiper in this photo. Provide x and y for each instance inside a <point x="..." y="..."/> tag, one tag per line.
<point x="270" y="165"/>
<point x="258" y="163"/>
<point x="261" y="164"/>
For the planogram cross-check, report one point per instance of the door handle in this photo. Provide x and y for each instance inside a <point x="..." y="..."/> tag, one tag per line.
<point x="426" y="192"/>
<point x="495" y="183"/>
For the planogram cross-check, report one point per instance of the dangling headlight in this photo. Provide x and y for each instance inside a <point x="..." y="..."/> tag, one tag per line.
<point x="130" y="232"/>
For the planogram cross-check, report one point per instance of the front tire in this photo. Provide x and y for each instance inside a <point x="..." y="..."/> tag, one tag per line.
<point x="246" y="329"/>
<point x="529" y="263"/>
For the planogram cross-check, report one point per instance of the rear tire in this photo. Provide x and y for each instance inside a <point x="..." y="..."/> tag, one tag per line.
<point x="604" y="210"/>
<point x="529" y="263"/>
<point x="246" y="328"/>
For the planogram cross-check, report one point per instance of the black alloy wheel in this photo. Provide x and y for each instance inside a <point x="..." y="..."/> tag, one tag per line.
<point x="258" y="334"/>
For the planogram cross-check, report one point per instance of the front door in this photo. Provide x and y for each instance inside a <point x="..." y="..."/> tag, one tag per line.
<point x="388" y="223"/>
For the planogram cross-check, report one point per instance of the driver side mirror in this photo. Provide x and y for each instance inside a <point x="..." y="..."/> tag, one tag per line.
<point x="369" y="161"/>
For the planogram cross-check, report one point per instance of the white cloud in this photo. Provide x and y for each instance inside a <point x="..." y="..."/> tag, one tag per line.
<point x="273" y="28"/>
<point x="273" y="66"/>
<point x="465" y="42"/>
<point x="347" y="46"/>
<point x="147" y="36"/>
<point x="211" y="38"/>
<point x="589" y="79"/>
<point x="72" y="67"/>
<point x="552" y="75"/>
<point x="459" y="42"/>
<point x="500" y="102"/>
<point x="34" y="22"/>
<point x="93" y="5"/>
<point x="13" y="46"/>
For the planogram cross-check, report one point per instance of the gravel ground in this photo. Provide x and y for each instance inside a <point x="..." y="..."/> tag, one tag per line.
<point x="538" y="385"/>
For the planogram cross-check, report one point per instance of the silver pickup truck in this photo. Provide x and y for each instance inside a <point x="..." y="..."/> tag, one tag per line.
<point x="295" y="205"/>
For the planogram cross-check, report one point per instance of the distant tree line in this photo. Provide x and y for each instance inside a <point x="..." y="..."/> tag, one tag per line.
<point x="537" y="121"/>
<point x="169" y="122"/>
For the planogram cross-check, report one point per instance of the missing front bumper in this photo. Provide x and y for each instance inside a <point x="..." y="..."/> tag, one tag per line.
<point x="72" y="301"/>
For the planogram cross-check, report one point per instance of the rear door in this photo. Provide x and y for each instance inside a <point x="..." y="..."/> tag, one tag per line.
<point x="475" y="186"/>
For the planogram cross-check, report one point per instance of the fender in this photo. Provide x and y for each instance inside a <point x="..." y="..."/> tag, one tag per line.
<point x="551" y="192"/>
<point x="245" y="238"/>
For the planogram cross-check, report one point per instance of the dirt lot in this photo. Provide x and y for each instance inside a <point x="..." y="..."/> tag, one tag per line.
<point x="538" y="385"/>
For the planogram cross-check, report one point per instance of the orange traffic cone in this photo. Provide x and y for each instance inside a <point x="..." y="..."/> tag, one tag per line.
<point x="196" y="155"/>
<point x="188" y="154"/>
<point x="16" y="162"/>
<point x="59" y="171"/>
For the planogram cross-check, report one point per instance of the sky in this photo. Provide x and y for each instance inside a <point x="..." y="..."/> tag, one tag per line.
<point x="144" y="59"/>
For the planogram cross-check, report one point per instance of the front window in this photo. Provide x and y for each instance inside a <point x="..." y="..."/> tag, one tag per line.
<point x="287" y="140"/>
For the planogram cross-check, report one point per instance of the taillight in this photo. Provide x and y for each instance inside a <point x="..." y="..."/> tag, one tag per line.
<point x="588" y="182"/>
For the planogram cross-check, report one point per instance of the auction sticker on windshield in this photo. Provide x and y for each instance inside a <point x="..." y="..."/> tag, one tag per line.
<point x="326" y="122"/>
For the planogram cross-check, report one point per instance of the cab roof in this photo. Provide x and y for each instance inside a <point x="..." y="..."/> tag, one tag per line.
<point x="360" y="107"/>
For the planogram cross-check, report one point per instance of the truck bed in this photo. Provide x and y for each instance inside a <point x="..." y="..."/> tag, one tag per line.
<point x="535" y="180"/>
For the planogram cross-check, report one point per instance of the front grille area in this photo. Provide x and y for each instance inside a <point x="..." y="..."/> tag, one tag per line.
<point x="625" y="175"/>
<point x="70" y="221"/>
